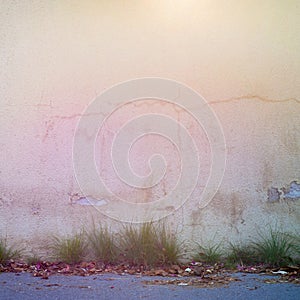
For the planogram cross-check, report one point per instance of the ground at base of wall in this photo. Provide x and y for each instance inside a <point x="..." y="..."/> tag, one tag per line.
<point x="194" y="274"/>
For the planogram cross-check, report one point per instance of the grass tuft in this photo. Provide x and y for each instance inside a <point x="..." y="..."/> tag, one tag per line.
<point x="7" y="253"/>
<point x="295" y="239"/>
<point x="211" y="253"/>
<point x="137" y="244"/>
<point x="33" y="259"/>
<point x="276" y="249"/>
<point x="241" y="254"/>
<point x="149" y="245"/>
<point x="70" y="249"/>
<point x="103" y="245"/>
<point x="168" y="247"/>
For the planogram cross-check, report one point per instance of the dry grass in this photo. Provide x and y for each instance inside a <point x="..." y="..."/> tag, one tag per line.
<point x="7" y="253"/>
<point x="69" y="249"/>
<point x="149" y="244"/>
<point x="103" y="245"/>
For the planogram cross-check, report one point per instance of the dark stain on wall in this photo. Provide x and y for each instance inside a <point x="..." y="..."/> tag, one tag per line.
<point x="229" y="205"/>
<point x="273" y="194"/>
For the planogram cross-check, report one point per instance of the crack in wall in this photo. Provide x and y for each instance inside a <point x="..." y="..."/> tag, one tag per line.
<point x="79" y="115"/>
<point x="135" y="103"/>
<point x="255" y="97"/>
<point x="228" y="100"/>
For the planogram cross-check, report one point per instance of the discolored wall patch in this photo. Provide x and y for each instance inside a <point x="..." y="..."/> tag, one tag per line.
<point x="290" y="192"/>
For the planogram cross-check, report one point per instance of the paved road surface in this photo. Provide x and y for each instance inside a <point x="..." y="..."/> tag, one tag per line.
<point x="109" y="286"/>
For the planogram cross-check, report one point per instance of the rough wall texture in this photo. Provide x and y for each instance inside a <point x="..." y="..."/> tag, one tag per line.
<point x="243" y="58"/>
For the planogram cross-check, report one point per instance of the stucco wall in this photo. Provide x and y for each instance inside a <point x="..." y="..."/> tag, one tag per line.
<point x="58" y="56"/>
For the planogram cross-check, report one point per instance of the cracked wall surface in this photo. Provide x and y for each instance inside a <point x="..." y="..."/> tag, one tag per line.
<point x="243" y="58"/>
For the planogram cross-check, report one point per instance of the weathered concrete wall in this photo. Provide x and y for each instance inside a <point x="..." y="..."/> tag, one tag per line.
<point x="243" y="58"/>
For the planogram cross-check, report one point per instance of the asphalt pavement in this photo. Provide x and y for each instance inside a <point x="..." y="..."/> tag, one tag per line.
<point x="111" y="286"/>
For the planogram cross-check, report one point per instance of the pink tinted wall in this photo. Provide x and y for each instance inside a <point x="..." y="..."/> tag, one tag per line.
<point x="56" y="57"/>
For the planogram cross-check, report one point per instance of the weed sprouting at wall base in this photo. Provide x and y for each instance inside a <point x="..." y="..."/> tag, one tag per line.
<point x="70" y="249"/>
<point x="211" y="253"/>
<point x="149" y="244"/>
<point x="276" y="248"/>
<point x="103" y="245"/>
<point x="7" y="253"/>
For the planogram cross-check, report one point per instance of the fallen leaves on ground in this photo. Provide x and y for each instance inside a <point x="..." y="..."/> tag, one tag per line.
<point x="204" y="282"/>
<point x="288" y="274"/>
<point x="198" y="273"/>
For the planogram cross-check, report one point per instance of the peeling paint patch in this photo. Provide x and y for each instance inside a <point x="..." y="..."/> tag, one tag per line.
<point x="293" y="191"/>
<point x="89" y="201"/>
<point x="289" y="193"/>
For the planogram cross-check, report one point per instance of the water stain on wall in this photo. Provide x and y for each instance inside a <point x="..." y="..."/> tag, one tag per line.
<point x="229" y="205"/>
